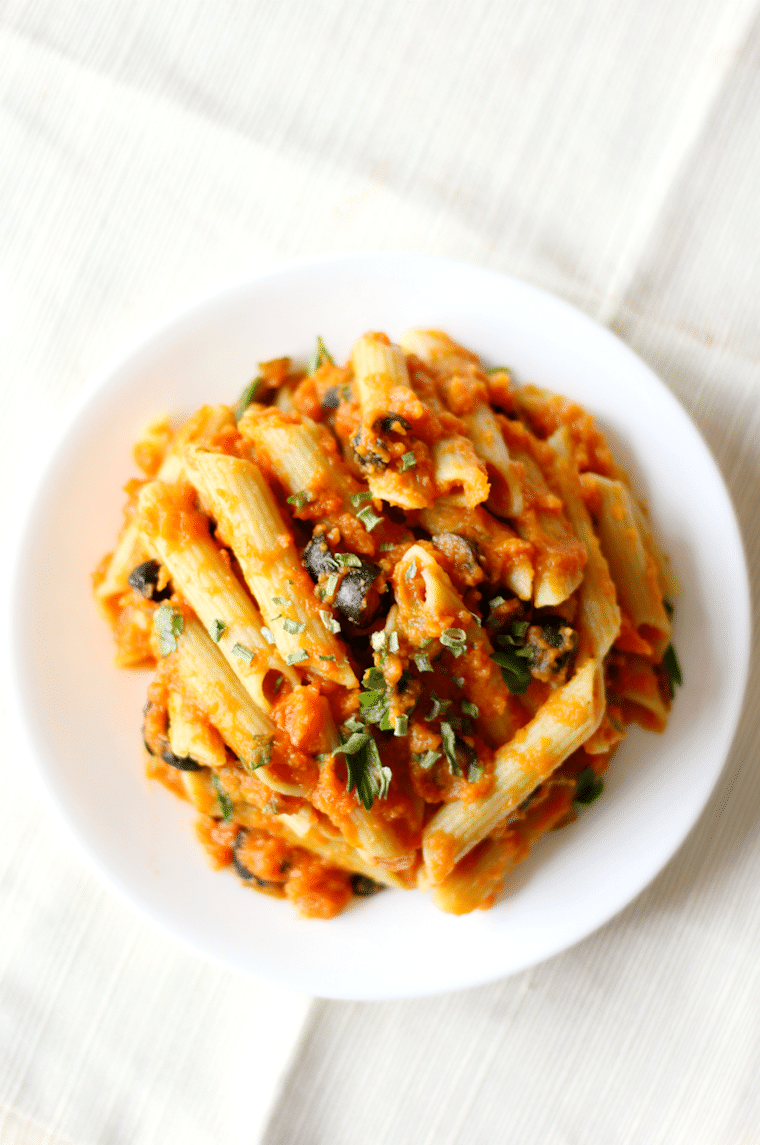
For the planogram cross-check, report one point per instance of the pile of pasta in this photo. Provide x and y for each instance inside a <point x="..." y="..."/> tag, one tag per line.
<point x="401" y="613"/>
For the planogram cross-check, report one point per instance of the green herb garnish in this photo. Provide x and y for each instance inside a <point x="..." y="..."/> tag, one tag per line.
<point x="450" y="747"/>
<point x="320" y="357"/>
<point x="216" y="628"/>
<point x="247" y="396"/>
<point x="427" y="759"/>
<point x="514" y="670"/>
<point x="294" y="627"/>
<point x="242" y="652"/>
<point x="455" y="639"/>
<point x="348" y="560"/>
<point x="670" y="661"/>
<point x="408" y="461"/>
<point x="297" y="657"/>
<point x="169" y="624"/>
<point x="369" y="518"/>
<point x="588" y="787"/>
<point x="299" y="499"/>
<point x="470" y="709"/>
<point x="268" y="635"/>
<point x="365" y="769"/>
<point x="224" y="800"/>
<point x="422" y="660"/>
<point x="357" y="498"/>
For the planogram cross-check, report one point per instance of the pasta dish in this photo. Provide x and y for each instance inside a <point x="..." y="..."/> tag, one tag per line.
<point x="401" y="613"/>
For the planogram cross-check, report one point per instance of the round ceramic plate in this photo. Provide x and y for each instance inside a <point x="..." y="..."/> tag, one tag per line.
<point x="82" y="717"/>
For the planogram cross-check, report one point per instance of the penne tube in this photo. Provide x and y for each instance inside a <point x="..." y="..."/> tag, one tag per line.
<point x="633" y="569"/>
<point x="178" y="536"/>
<point x="190" y="734"/>
<point x="428" y="606"/>
<point x="382" y="382"/>
<point x="249" y="520"/>
<point x="598" y="614"/>
<point x="200" y="790"/>
<point x="212" y="685"/>
<point x="570" y="715"/>
<point x="333" y="848"/>
<point x="508" y="559"/>
<point x="506" y="496"/>
<point x="303" y="456"/>
<point x="459" y="473"/>
<point x="204" y="427"/>
<point x="477" y="879"/>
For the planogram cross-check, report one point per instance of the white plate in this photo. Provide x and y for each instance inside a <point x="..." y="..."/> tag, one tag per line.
<point x="82" y="717"/>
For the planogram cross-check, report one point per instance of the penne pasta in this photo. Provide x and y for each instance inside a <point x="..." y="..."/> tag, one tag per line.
<point x="401" y="613"/>
<point x="272" y="568"/>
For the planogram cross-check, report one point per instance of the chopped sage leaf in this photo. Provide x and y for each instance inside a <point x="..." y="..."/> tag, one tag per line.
<point x="365" y="769"/>
<point x="299" y="499"/>
<point x="242" y="652"/>
<point x="377" y="640"/>
<point x="374" y="678"/>
<point x="327" y="658"/>
<point x="268" y="635"/>
<point x="354" y="725"/>
<point x="401" y="725"/>
<point x="422" y="660"/>
<point x="216" y="629"/>
<point x="245" y="399"/>
<point x="393" y="641"/>
<point x="427" y="759"/>
<point x="224" y="800"/>
<point x="320" y="357"/>
<point x="386" y="547"/>
<point x="450" y="747"/>
<point x="329" y="621"/>
<point x="439" y="708"/>
<point x="297" y="657"/>
<point x="348" y="560"/>
<point x="281" y="600"/>
<point x="588" y="787"/>
<point x="356" y="741"/>
<point x="408" y="461"/>
<point x="278" y="684"/>
<point x="515" y="672"/>
<point x="331" y="584"/>
<point x="474" y="772"/>
<point x="369" y="518"/>
<point x="458" y="680"/>
<point x="357" y="498"/>
<point x="670" y="661"/>
<point x="169" y="624"/>
<point x="293" y="626"/>
<point x="470" y="709"/>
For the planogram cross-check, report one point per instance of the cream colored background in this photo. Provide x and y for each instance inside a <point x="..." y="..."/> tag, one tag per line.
<point x="608" y="150"/>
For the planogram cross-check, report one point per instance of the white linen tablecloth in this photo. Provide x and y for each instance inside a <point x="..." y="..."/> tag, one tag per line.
<point x="608" y="150"/>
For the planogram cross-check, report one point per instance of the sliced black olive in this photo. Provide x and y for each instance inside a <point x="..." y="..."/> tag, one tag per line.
<point x="464" y="556"/>
<point x="317" y="558"/>
<point x="331" y="398"/>
<point x="240" y="867"/>
<point x="388" y="423"/>
<point x="144" y="579"/>
<point x="368" y="460"/>
<point x="181" y="762"/>
<point x="356" y="598"/>
<point x="363" y="886"/>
